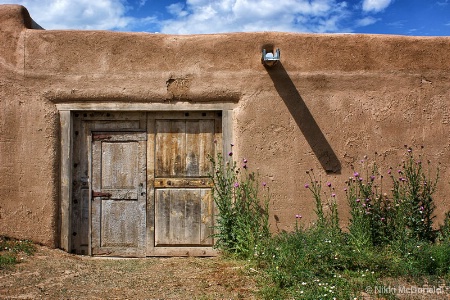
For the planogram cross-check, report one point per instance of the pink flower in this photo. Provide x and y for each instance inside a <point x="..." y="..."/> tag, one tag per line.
<point x="333" y="195"/>
<point x="329" y="184"/>
<point x="306" y="186"/>
<point x="298" y="216"/>
<point x="264" y="184"/>
<point x="236" y="184"/>
<point x="245" y="160"/>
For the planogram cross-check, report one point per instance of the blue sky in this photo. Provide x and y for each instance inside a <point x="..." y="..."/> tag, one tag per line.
<point x="403" y="17"/>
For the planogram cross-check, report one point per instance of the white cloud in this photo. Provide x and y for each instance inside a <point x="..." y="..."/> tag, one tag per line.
<point x="366" y="21"/>
<point x="80" y="14"/>
<point x="375" y="5"/>
<point x="204" y="16"/>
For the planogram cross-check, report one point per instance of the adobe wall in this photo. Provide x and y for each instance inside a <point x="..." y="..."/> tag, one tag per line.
<point x="331" y="100"/>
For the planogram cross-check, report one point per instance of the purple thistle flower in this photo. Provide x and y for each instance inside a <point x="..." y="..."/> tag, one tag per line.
<point x="245" y="160"/>
<point x="382" y="219"/>
<point x="361" y="179"/>
<point x="244" y="166"/>
<point x="298" y="216"/>
<point x="232" y="145"/>
<point x="356" y="174"/>
<point x="230" y="153"/>
<point x="421" y="208"/>
<point x="345" y="189"/>
<point x="372" y="178"/>
<point x="306" y="186"/>
<point x="264" y="184"/>
<point x="329" y="184"/>
<point x="357" y="200"/>
<point x="236" y="184"/>
<point x="389" y="171"/>
<point x="333" y="195"/>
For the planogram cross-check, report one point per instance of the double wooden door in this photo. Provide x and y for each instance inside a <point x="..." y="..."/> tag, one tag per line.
<point x="149" y="192"/>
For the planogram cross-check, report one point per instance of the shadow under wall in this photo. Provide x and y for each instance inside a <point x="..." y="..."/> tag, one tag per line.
<point x="304" y="119"/>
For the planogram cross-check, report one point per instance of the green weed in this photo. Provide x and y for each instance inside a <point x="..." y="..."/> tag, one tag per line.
<point x="11" y="251"/>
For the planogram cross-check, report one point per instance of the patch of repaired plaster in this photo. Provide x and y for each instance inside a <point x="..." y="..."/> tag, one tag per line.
<point x="178" y="88"/>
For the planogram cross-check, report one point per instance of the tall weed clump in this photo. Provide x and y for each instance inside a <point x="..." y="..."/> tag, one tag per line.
<point x="242" y="223"/>
<point x="402" y="217"/>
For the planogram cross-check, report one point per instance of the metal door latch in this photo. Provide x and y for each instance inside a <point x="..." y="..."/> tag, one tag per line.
<point x="101" y="194"/>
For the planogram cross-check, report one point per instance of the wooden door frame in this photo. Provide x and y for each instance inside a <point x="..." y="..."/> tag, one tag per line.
<point x="66" y="146"/>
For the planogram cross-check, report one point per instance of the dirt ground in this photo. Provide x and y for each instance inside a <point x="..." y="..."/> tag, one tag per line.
<point x="54" y="274"/>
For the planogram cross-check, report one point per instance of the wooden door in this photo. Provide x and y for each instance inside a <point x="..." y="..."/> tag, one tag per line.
<point x="84" y="123"/>
<point x="118" y="193"/>
<point x="182" y="212"/>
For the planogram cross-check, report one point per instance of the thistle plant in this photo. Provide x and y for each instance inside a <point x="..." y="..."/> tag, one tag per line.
<point x="413" y="191"/>
<point x="328" y="219"/>
<point x="243" y="216"/>
<point x="407" y="214"/>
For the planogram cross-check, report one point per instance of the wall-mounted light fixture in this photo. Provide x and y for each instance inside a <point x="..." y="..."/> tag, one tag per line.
<point x="269" y="59"/>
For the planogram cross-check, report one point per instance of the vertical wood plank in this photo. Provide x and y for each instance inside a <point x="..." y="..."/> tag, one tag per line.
<point x="96" y="204"/>
<point x="207" y="217"/>
<point x="192" y="148"/>
<point x="227" y="130"/>
<point x="66" y="180"/>
<point x="151" y="194"/>
<point x="192" y="216"/>
<point x="206" y="137"/>
<point x="162" y="216"/>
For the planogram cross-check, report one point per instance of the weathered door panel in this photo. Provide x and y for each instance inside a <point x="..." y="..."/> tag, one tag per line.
<point x="181" y="215"/>
<point x="184" y="217"/>
<point x="118" y="196"/>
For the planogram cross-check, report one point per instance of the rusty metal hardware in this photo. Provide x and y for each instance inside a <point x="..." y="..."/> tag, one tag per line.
<point x="101" y="137"/>
<point x="101" y="194"/>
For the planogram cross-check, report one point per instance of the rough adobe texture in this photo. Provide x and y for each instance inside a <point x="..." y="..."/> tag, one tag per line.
<point x="331" y="100"/>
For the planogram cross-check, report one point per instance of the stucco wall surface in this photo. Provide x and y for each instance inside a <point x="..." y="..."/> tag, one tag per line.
<point x="330" y="101"/>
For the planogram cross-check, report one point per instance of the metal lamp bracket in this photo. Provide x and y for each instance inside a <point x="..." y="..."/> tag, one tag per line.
<point x="269" y="58"/>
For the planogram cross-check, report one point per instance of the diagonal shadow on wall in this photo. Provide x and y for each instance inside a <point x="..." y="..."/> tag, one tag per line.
<point x="304" y="119"/>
